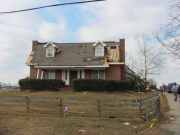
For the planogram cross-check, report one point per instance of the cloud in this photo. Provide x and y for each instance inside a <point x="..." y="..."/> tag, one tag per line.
<point x="17" y="33"/>
<point x="108" y="20"/>
<point x="123" y="18"/>
<point x="49" y="31"/>
<point x="129" y="19"/>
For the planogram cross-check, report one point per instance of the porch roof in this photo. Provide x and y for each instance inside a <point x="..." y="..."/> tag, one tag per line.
<point x="74" y="67"/>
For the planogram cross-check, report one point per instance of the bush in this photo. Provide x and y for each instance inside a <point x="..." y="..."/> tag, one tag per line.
<point x="103" y="85"/>
<point x="37" y="84"/>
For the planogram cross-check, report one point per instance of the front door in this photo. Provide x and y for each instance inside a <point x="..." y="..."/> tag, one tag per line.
<point x="73" y="76"/>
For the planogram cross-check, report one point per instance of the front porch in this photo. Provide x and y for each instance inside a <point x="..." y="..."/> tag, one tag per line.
<point x="68" y="75"/>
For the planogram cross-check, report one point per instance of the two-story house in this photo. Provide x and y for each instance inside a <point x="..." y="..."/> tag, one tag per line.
<point x="69" y="61"/>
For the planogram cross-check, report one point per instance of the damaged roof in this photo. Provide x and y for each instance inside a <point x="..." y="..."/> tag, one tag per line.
<point x="67" y="54"/>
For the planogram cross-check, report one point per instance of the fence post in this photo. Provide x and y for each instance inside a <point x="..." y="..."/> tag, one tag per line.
<point x="99" y="109"/>
<point x="61" y="111"/>
<point x="140" y="105"/>
<point x="27" y="99"/>
<point x="158" y="113"/>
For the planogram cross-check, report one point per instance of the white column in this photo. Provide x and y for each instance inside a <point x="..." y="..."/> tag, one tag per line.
<point x="42" y="74"/>
<point x="78" y="74"/>
<point x="83" y="74"/>
<point x="66" y="73"/>
<point x="63" y="75"/>
<point x="37" y="77"/>
<point x="68" y="77"/>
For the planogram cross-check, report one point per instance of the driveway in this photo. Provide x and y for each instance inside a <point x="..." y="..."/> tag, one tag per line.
<point x="172" y="128"/>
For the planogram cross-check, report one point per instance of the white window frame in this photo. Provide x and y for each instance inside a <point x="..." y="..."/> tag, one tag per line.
<point x="51" y="75"/>
<point x="99" y="51"/>
<point x="81" y="74"/>
<point x="98" y="75"/>
<point x="50" y="50"/>
<point x="103" y="78"/>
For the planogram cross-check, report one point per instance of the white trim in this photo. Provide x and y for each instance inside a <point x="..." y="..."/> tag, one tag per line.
<point x="83" y="74"/>
<point x="51" y="75"/>
<point x="101" y="42"/>
<point x="49" y="43"/>
<point x="80" y="74"/>
<point x="37" y="77"/>
<point x="42" y="74"/>
<point x="52" y="52"/>
<point x="99" y="51"/>
<point x="116" y="63"/>
<point x="68" y="77"/>
<point x="66" y="80"/>
<point x="95" y="66"/>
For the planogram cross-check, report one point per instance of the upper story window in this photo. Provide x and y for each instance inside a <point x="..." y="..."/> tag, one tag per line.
<point x="50" y="51"/>
<point x="99" y="51"/>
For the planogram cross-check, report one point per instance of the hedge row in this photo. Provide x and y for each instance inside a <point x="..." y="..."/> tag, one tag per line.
<point x="37" y="84"/>
<point x="103" y="85"/>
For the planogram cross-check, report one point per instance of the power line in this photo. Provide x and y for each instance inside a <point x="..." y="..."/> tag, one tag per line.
<point x="48" y="6"/>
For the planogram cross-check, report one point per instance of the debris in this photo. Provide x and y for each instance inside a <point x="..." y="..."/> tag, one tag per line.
<point x="66" y="109"/>
<point x="126" y="123"/>
<point x="172" y="118"/>
<point x="82" y="131"/>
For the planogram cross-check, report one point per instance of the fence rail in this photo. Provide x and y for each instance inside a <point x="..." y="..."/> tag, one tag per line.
<point x="141" y="109"/>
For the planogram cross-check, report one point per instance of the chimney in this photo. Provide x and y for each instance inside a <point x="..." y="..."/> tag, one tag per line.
<point x="122" y="50"/>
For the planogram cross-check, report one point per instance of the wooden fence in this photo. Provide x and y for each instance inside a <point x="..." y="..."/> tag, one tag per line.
<point x="124" y="110"/>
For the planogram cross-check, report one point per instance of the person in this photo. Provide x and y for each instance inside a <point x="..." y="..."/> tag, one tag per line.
<point x="174" y="90"/>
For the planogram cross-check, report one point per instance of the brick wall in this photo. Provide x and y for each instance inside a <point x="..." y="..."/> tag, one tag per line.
<point x="87" y="74"/>
<point x="115" y="72"/>
<point x="58" y="74"/>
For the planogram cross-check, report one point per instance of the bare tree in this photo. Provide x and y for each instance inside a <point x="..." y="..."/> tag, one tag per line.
<point x="170" y="34"/>
<point x="148" y="61"/>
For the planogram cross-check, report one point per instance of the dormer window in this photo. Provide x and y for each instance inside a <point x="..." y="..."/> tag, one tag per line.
<point x="99" y="49"/>
<point x="50" y="51"/>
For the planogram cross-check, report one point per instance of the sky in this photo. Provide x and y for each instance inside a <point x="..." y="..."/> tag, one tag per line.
<point x="110" y="20"/>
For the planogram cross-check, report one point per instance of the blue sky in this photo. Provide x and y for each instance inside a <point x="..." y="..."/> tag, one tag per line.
<point x="108" y="20"/>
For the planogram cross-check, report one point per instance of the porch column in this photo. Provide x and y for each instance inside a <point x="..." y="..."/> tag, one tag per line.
<point x="42" y="74"/>
<point x="81" y="74"/>
<point x="65" y="76"/>
<point x="37" y="77"/>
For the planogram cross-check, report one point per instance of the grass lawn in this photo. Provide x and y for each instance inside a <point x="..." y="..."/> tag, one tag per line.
<point x="44" y="117"/>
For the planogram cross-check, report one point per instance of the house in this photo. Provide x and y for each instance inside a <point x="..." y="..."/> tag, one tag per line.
<point x="69" y="61"/>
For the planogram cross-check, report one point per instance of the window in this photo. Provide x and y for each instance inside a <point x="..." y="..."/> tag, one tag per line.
<point x="99" y="51"/>
<point x="50" y="51"/>
<point x="51" y="75"/>
<point x="98" y="74"/>
<point x="101" y="74"/>
<point x="81" y="74"/>
<point x="94" y="74"/>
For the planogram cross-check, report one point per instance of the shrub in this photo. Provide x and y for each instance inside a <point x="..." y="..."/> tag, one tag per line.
<point x="103" y="85"/>
<point x="37" y="84"/>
